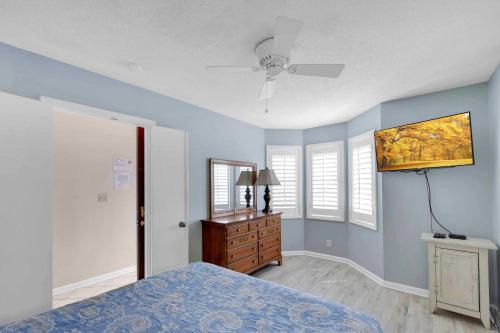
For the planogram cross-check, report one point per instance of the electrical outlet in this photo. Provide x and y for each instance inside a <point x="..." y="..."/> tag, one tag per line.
<point x="328" y="243"/>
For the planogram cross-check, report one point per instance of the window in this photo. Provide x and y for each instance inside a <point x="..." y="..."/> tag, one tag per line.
<point x="286" y="161"/>
<point x="362" y="181"/>
<point x="325" y="181"/>
<point x="242" y="203"/>
<point x="221" y="186"/>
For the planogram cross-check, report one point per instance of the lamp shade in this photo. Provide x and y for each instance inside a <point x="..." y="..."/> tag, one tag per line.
<point x="267" y="177"/>
<point x="245" y="178"/>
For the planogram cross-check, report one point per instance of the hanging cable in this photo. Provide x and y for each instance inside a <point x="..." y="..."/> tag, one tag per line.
<point x="429" y="200"/>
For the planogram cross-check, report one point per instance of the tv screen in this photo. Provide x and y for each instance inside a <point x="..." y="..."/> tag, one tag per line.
<point x="436" y="143"/>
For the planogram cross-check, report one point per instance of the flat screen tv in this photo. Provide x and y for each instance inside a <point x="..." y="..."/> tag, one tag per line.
<point x="435" y="143"/>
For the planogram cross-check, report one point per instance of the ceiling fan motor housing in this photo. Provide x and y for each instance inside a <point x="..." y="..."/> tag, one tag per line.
<point x="273" y="64"/>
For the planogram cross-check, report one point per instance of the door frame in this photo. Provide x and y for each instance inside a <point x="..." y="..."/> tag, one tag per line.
<point x="89" y="111"/>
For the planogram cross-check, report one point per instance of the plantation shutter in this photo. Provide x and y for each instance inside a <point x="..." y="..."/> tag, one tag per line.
<point x="286" y="161"/>
<point x="221" y="186"/>
<point x="325" y="181"/>
<point x="362" y="180"/>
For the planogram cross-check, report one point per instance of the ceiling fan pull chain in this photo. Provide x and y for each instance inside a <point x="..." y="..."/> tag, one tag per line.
<point x="267" y="111"/>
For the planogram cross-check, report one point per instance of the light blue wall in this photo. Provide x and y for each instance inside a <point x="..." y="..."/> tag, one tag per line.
<point x="210" y="134"/>
<point x="461" y="195"/>
<point x="292" y="230"/>
<point x="494" y="109"/>
<point x="317" y="232"/>
<point x="371" y="252"/>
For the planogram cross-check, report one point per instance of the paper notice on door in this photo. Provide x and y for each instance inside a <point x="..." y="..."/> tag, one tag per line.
<point x="122" y="180"/>
<point x="122" y="164"/>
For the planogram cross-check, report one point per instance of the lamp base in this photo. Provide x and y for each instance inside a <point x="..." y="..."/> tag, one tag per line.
<point x="267" y="200"/>
<point x="248" y="196"/>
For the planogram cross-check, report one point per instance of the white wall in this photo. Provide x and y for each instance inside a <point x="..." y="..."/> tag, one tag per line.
<point x="91" y="238"/>
<point x="26" y="207"/>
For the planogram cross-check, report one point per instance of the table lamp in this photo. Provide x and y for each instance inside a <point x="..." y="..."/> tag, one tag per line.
<point x="246" y="178"/>
<point x="267" y="177"/>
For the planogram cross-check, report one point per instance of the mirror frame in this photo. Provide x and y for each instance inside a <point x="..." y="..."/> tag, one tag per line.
<point x="211" y="163"/>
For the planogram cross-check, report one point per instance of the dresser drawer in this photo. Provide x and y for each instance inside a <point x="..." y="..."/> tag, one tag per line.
<point x="237" y="229"/>
<point x="269" y="254"/>
<point x="273" y="220"/>
<point x="257" y="224"/>
<point x="245" y="265"/>
<point x="241" y="240"/>
<point x="275" y="229"/>
<point x="269" y="242"/>
<point x="241" y="252"/>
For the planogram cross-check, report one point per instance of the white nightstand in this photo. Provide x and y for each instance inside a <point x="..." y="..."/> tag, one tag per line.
<point x="458" y="275"/>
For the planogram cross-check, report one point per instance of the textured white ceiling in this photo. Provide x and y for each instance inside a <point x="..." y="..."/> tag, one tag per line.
<point x="391" y="48"/>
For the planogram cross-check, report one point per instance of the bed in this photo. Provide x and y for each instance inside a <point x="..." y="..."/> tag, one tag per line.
<point x="200" y="298"/>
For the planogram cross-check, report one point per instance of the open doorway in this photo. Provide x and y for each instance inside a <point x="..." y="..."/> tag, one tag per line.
<point x="99" y="208"/>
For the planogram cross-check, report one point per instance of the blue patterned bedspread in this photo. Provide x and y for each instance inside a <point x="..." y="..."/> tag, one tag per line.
<point x="200" y="298"/>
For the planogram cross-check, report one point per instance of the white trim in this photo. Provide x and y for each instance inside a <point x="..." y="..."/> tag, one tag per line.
<point x="93" y="280"/>
<point x="89" y="111"/>
<point x="386" y="284"/>
<point x="147" y="124"/>
<point x="371" y="222"/>
<point x="337" y="146"/>
<point x="299" y="210"/>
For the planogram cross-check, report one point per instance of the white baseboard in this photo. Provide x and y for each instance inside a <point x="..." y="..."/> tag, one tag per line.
<point x="387" y="284"/>
<point x="92" y="280"/>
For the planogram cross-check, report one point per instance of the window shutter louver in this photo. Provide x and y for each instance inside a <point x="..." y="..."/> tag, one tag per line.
<point x="286" y="161"/>
<point x="362" y="181"/>
<point x="221" y="185"/>
<point x="325" y="181"/>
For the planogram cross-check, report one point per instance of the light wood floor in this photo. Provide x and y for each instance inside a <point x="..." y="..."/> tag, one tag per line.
<point x="396" y="311"/>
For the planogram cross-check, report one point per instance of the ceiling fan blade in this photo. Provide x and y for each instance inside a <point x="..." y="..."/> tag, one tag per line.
<point x="235" y="68"/>
<point x="285" y="34"/>
<point x="271" y="84"/>
<point x="323" y="70"/>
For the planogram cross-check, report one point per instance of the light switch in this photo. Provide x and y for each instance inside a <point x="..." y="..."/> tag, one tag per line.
<point x="102" y="197"/>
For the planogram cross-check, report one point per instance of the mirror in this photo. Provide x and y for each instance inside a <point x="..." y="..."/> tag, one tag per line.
<point x="228" y="187"/>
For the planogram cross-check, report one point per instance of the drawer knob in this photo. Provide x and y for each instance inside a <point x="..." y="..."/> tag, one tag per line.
<point x="253" y="261"/>
<point x="232" y="255"/>
<point x="232" y="242"/>
<point x="237" y="229"/>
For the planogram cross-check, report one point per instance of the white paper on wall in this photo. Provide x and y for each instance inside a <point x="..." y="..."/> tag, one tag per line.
<point x="122" y="180"/>
<point x="122" y="164"/>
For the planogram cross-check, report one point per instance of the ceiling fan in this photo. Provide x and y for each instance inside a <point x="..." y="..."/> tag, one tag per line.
<point x="274" y="58"/>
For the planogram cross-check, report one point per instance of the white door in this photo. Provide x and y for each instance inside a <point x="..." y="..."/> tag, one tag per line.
<point x="26" y="206"/>
<point x="457" y="278"/>
<point x="169" y="228"/>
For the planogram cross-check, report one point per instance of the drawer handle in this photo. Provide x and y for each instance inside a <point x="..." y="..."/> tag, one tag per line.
<point x="232" y="255"/>
<point x="237" y="230"/>
<point x="253" y="261"/>
<point x="253" y="248"/>
<point x="232" y="242"/>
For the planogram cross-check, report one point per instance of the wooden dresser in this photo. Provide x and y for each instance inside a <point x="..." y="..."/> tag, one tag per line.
<point x="243" y="242"/>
